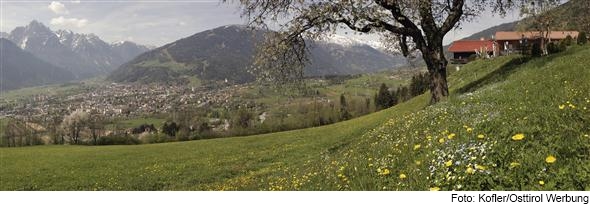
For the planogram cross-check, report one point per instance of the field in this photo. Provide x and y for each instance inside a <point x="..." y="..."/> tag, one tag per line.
<point x="510" y="124"/>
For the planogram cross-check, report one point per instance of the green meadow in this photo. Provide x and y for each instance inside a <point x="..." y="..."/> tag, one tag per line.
<point x="510" y="123"/>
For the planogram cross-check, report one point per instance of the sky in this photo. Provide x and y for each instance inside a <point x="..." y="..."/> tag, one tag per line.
<point x="156" y="22"/>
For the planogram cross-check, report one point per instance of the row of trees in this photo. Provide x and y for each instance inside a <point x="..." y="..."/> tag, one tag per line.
<point x="17" y="133"/>
<point x="386" y="98"/>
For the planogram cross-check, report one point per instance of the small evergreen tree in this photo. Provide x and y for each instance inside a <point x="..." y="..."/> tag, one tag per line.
<point x="383" y="98"/>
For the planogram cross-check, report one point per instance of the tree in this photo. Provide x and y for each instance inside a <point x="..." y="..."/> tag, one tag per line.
<point x="582" y="39"/>
<point x="96" y="126"/>
<point x="170" y="128"/>
<point x="568" y="41"/>
<point x="243" y="118"/>
<point x="73" y="125"/>
<point x="584" y="20"/>
<point x="418" y="85"/>
<point x="536" y="50"/>
<point x="409" y="25"/>
<point x="13" y="131"/>
<point x="541" y="18"/>
<point x="383" y="99"/>
<point x="344" y="114"/>
<point x="53" y="125"/>
<point x="552" y="48"/>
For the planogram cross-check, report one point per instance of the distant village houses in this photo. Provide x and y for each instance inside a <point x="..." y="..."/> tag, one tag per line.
<point x="502" y="43"/>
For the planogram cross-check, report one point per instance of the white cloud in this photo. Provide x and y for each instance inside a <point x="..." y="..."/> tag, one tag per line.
<point x="69" y="22"/>
<point x="182" y="23"/>
<point x="58" y="8"/>
<point x="75" y="2"/>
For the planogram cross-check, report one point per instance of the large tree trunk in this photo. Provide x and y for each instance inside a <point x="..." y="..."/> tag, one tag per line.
<point x="437" y="69"/>
<point x="438" y="83"/>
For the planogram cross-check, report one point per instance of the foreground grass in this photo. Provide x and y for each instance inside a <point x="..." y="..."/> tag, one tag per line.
<point x="465" y="143"/>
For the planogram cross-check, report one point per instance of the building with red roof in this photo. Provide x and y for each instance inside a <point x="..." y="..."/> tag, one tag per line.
<point x="463" y="49"/>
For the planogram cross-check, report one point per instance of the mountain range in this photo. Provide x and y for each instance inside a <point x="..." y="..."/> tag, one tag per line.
<point x="226" y="53"/>
<point x="23" y="69"/>
<point x="84" y="55"/>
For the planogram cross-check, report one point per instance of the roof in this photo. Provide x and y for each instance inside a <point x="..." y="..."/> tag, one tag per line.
<point x="470" y="45"/>
<point x="514" y="35"/>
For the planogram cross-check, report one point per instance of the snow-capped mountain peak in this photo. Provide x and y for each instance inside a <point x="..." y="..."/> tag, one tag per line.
<point x="84" y="55"/>
<point x="352" y="41"/>
<point x="341" y="40"/>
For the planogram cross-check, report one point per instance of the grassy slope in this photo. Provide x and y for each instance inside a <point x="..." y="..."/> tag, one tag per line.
<point x="205" y="164"/>
<point x="492" y="98"/>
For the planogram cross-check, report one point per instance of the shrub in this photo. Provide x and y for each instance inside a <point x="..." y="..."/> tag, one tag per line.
<point x="582" y="38"/>
<point x="562" y="46"/>
<point x="182" y="135"/>
<point x="170" y="129"/>
<point x="536" y="50"/>
<point x="568" y="41"/>
<point x="144" y="128"/>
<point x="552" y="47"/>
<point x="118" y="140"/>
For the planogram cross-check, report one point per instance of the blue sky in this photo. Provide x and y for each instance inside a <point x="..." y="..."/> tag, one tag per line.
<point x="156" y="22"/>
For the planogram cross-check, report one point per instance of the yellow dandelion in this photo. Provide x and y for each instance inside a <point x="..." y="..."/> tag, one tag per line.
<point x="402" y="176"/>
<point x="417" y="146"/>
<point x="561" y="107"/>
<point x="386" y="172"/>
<point x="434" y="189"/>
<point x="383" y="172"/>
<point x="550" y="159"/>
<point x="514" y="164"/>
<point x="469" y="129"/>
<point x="480" y="136"/>
<point x="470" y="171"/>
<point x="451" y="136"/>
<point x="518" y="137"/>
<point x="449" y="163"/>
<point x="418" y="162"/>
<point x="480" y="167"/>
<point x="441" y="140"/>
<point x="542" y="182"/>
